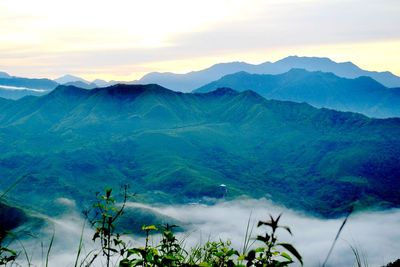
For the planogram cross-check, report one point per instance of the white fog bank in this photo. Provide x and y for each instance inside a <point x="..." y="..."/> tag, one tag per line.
<point x="375" y="234"/>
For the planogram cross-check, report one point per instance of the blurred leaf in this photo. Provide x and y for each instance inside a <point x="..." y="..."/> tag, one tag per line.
<point x="292" y="250"/>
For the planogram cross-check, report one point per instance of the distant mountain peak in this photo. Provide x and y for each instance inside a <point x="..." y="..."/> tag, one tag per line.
<point x="320" y="89"/>
<point x="307" y="60"/>
<point x="101" y="83"/>
<point x="132" y="90"/>
<point x="296" y="57"/>
<point x="222" y="64"/>
<point x="68" y="78"/>
<point x="4" y="75"/>
<point x="190" y="81"/>
<point x="370" y="81"/>
<point x="67" y="91"/>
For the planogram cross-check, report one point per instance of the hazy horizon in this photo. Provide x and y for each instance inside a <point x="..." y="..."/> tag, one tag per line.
<point x="124" y="40"/>
<point x="182" y="72"/>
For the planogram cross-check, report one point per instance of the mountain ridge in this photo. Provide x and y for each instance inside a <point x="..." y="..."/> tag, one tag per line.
<point x="363" y="94"/>
<point x="180" y="147"/>
<point x="68" y="78"/>
<point x="4" y="74"/>
<point x="194" y="79"/>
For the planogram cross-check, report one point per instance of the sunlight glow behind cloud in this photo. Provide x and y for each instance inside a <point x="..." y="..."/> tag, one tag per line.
<point x="125" y="39"/>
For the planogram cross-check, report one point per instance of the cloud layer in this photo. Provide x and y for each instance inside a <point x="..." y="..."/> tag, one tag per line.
<point x="374" y="234"/>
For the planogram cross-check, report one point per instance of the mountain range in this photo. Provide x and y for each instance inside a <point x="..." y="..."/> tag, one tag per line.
<point x="78" y="82"/>
<point x="12" y="87"/>
<point x="4" y="75"/>
<point x="363" y="95"/>
<point x="17" y="87"/>
<point x="70" y="78"/>
<point x="195" y="79"/>
<point x="174" y="147"/>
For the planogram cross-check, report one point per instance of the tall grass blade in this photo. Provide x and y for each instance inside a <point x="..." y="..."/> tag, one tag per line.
<point x="28" y="260"/>
<point x="247" y="236"/>
<point x="80" y="245"/>
<point x="335" y="240"/>
<point x="361" y="259"/>
<point x="17" y="181"/>
<point x="49" y="249"/>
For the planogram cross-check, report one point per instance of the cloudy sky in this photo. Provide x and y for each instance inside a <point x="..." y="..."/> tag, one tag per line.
<point x="124" y="39"/>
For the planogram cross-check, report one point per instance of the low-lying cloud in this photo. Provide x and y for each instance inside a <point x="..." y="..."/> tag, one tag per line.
<point x="374" y="234"/>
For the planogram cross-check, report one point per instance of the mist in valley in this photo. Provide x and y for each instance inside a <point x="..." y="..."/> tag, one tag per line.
<point x="374" y="234"/>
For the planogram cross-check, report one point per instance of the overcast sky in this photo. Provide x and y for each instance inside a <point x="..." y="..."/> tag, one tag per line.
<point x="124" y="39"/>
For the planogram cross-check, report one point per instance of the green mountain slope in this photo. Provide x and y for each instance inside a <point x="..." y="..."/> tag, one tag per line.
<point x="362" y="95"/>
<point x="174" y="147"/>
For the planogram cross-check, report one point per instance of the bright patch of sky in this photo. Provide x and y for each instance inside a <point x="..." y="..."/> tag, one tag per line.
<point x="125" y="39"/>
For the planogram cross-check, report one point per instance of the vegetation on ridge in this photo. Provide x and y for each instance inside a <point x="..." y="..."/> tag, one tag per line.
<point x="181" y="147"/>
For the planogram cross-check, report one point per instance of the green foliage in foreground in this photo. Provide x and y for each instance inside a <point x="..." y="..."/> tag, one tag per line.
<point x="170" y="251"/>
<point x="113" y="250"/>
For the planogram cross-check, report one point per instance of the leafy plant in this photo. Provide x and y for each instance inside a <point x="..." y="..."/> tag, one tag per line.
<point x="7" y="255"/>
<point x="219" y="254"/>
<point x="269" y="254"/>
<point x="142" y="256"/>
<point x="170" y="252"/>
<point x="102" y="217"/>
